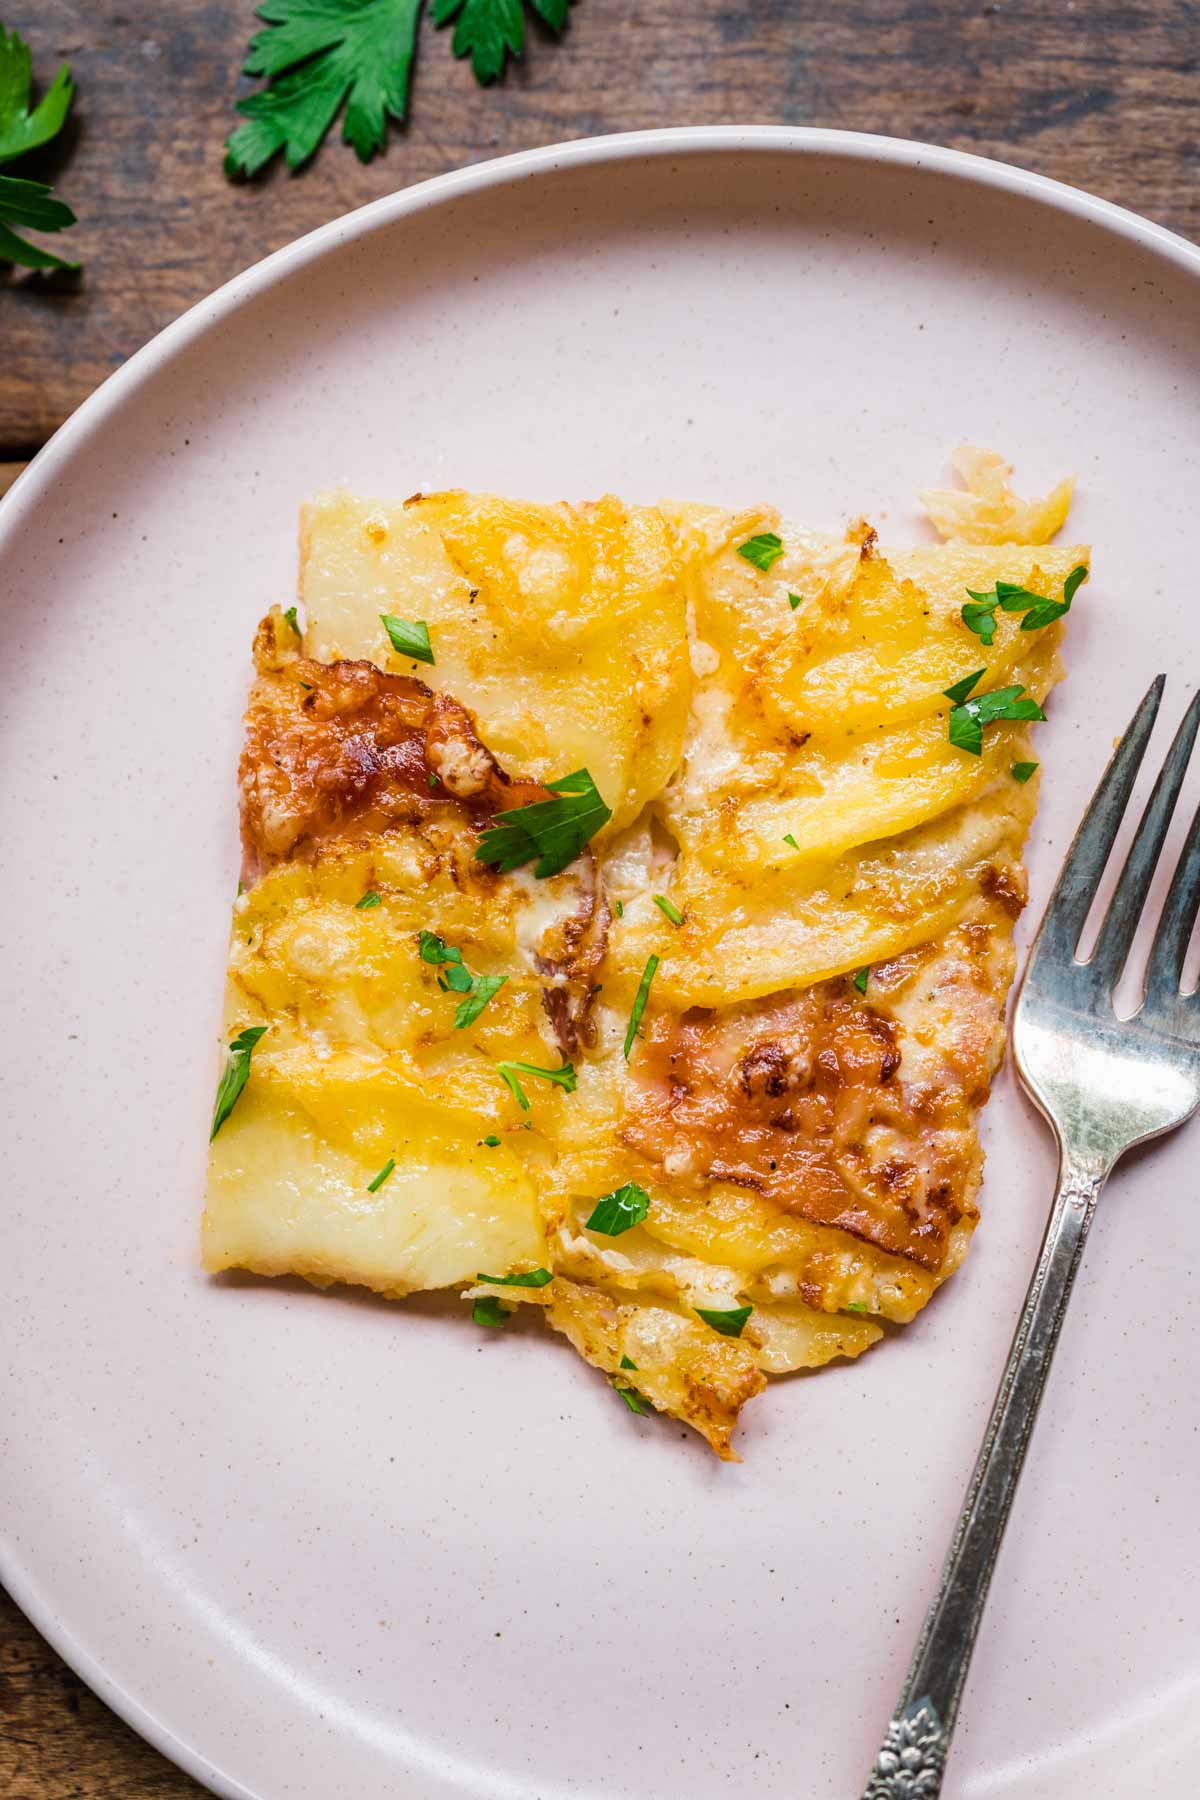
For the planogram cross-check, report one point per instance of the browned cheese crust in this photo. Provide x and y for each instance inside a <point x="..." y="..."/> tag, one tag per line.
<point x="336" y="754"/>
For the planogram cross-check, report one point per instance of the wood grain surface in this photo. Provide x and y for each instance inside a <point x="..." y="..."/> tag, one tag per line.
<point x="1098" y="93"/>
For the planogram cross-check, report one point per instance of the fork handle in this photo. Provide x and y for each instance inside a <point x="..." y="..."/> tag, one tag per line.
<point x="912" y="1759"/>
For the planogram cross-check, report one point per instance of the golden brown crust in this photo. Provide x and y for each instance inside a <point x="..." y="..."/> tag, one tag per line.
<point x="337" y="753"/>
<point x="808" y="1099"/>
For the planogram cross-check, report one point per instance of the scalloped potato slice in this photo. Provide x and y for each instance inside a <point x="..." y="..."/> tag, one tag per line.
<point x="290" y="1172"/>
<point x="562" y="628"/>
<point x="878" y="633"/>
<point x="986" y="510"/>
<point x="753" y="931"/>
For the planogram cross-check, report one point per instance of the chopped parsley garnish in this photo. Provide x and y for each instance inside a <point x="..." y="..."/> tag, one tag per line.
<point x="1022" y="771"/>
<point x="789" y="839"/>
<point x="485" y="987"/>
<point x="510" y="1071"/>
<point x="487" y="1310"/>
<point x="491" y="1140"/>
<point x="530" y="1278"/>
<point x="730" y="1323"/>
<point x="858" y="1306"/>
<point x="961" y="689"/>
<point x="619" y="909"/>
<point x="409" y="636"/>
<point x="458" y="979"/>
<point x="763" y="550"/>
<point x="627" y="1362"/>
<point x="668" y="908"/>
<point x="639" y="1003"/>
<point x="234" y="1075"/>
<point x="619" y="1211"/>
<point x="373" y="1187"/>
<point x="968" y="716"/>
<point x="290" y="616"/>
<point x="369" y="899"/>
<point x="554" y="831"/>
<point x="979" y="614"/>
<point x="794" y="600"/>
<point x="860" y="980"/>
<point x="636" y="1402"/>
<point x="433" y="781"/>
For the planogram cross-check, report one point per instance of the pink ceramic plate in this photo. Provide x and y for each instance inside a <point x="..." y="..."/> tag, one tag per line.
<point x="323" y="1547"/>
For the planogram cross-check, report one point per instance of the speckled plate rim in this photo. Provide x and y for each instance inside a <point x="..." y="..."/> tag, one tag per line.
<point x="208" y="315"/>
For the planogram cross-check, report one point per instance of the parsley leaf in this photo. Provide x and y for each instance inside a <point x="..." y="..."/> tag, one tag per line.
<point x="619" y="909"/>
<point x="1022" y="771"/>
<point x="485" y="986"/>
<point x="730" y="1323"/>
<point x="290" y="616"/>
<point x="763" y="550"/>
<point x="458" y="978"/>
<point x="860" y="980"/>
<point x="29" y="203"/>
<point x="627" y="1362"/>
<point x="374" y="1186"/>
<point x="794" y="600"/>
<point x="636" y="1402"/>
<point x="961" y="689"/>
<point x="490" y="31"/>
<point x="856" y="1306"/>
<point x="491" y="1140"/>
<point x="315" y="54"/>
<point x="369" y="899"/>
<point x="619" y="1211"/>
<point x="554" y="831"/>
<point x="531" y="1278"/>
<point x="234" y="1075"/>
<point x="789" y="839"/>
<point x="968" y="717"/>
<point x="668" y="909"/>
<point x="509" y="1072"/>
<point x="639" y="1003"/>
<point x="410" y="637"/>
<point x="487" y="1310"/>
<point x="979" y="614"/>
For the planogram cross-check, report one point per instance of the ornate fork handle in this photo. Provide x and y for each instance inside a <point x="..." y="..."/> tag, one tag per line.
<point x="911" y="1762"/>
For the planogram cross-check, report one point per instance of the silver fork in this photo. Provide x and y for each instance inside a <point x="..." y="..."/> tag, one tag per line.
<point x="1104" y="1084"/>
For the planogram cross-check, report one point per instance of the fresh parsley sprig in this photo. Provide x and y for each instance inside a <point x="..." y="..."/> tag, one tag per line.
<point x="234" y="1075"/>
<point x="554" y="831"/>
<point x="29" y="204"/>
<point x="458" y="979"/>
<point x="971" y="712"/>
<point x="317" y="56"/>
<point x="490" y="31"/>
<point x="979" y="614"/>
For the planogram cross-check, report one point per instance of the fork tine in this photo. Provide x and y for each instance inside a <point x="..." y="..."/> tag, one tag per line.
<point x="1169" y="949"/>
<point x="1076" y="887"/>
<point x="1125" y="907"/>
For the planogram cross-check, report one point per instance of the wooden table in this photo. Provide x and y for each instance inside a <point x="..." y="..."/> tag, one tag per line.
<point x="1099" y="93"/>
